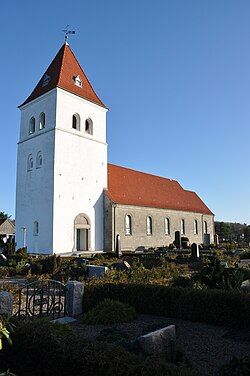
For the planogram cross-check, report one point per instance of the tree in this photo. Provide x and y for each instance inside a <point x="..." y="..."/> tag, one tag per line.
<point x="4" y="215"/>
<point x="247" y="233"/>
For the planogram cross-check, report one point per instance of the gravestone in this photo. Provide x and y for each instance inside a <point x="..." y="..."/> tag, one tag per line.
<point x="121" y="266"/>
<point x="74" y="298"/>
<point x="245" y="286"/>
<point x="118" y="246"/>
<point x="81" y="261"/>
<point x="96" y="271"/>
<point x="6" y="303"/>
<point x="159" y="342"/>
<point x="3" y="260"/>
<point x="177" y="239"/>
<point x="195" y="253"/>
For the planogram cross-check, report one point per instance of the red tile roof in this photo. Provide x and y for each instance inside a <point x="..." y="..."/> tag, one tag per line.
<point x="130" y="187"/>
<point x="61" y="73"/>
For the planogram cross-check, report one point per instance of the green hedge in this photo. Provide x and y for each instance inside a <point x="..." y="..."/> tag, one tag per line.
<point x="41" y="348"/>
<point x="219" y="307"/>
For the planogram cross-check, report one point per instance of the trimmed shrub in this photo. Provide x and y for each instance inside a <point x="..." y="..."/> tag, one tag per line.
<point x="239" y="367"/>
<point x="110" y="312"/>
<point x="43" y="348"/>
<point x="209" y="306"/>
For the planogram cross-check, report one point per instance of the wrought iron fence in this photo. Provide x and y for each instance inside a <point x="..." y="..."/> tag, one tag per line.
<point x="42" y="299"/>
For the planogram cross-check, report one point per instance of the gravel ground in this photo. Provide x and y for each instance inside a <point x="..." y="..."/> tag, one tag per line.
<point x="202" y="344"/>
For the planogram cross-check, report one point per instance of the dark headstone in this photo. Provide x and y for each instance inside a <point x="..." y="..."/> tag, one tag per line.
<point x="121" y="266"/>
<point x="118" y="246"/>
<point x="177" y="239"/>
<point x="195" y="253"/>
<point x="81" y="261"/>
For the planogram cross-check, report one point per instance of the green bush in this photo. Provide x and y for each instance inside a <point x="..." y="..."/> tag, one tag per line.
<point x="113" y="335"/>
<point x="219" y="307"/>
<point x="43" y="348"/>
<point x="110" y="312"/>
<point x="236" y="367"/>
<point x="216" y="276"/>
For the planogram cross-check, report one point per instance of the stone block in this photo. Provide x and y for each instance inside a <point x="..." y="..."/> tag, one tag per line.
<point x="74" y="298"/>
<point x="65" y="320"/>
<point x="6" y="303"/>
<point x="121" y="266"/>
<point x="159" y="342"/>
<point x="195" y="253"/>
<point x="96" y="271"/>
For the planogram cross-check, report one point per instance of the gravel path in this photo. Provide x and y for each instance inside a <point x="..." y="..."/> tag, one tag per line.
<point x="202" y="344"/>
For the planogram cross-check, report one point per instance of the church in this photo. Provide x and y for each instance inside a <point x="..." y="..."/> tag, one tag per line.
<point x="69" y="199"/>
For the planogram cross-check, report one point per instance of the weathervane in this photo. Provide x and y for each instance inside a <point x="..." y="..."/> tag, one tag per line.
<point x="67" y="32"/>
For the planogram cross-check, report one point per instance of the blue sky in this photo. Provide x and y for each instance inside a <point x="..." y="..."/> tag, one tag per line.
<point x="175" y="75"/>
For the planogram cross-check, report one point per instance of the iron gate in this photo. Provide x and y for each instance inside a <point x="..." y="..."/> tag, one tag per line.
<point x="42" y="299"/>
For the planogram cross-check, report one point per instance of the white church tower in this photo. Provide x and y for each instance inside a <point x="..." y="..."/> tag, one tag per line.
<point x="61" y="163"/>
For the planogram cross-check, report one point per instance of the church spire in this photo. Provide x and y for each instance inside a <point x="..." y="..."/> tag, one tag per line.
<point x="66" y="73"/>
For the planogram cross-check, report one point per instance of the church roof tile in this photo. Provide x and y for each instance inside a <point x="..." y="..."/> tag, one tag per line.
<point x="131" y="187"/>
<point x="62" y="73"/>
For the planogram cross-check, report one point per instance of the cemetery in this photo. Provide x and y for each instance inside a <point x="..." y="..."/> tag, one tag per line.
<point x="157" y="312"/>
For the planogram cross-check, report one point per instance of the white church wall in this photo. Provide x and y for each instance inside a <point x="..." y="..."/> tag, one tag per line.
<point x="80" y="172"/>
<point x="47" y="104"/>
<point x="34" y="192"/>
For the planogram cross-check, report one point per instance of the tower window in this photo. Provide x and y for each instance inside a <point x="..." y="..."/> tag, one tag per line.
<point x="167" y="226"/>
<point x="42" y="120"/>
<point x="89" y="126"/>
<point x="39" y="160"/>
<point x="76" y="122"/>
<point x="195" y="227"/>
<point x="78" y="81"/>
<point x="149" y="226"/>
<point x="205" y="227"/>
<point x="128" y="225"/>
<point x="36" y="228"/>
<point x="32" y="126"/>
<point x="182" y="227"/>
<point x="30" y="163"/>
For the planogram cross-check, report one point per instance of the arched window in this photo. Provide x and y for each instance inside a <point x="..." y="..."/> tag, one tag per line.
<point x="149" y="226"/>
<point x="128" y="225"/>
<point x="182" y="227"/>
<point x="36" y="228"/>
<point x="30" y="163"/>
<point x="76" y="122"/>
<point x="89" y="126"/>
<point x="41" y="120"/>
<point x="39" y="160"/>
<point x="32" y="126"/>
<point x="195" y="227"/>
<point x="205" y="227"/>
<point x="167" y="226"/>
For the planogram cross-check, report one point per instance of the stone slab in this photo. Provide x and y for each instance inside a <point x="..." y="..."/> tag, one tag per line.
<point x="6" y="303"/>
<point x="158" y="342"/>
<point x="65" y="320"/>
<point x="96" y="271"/>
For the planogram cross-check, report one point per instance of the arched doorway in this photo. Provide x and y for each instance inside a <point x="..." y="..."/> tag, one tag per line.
<point x="82" y="232"/>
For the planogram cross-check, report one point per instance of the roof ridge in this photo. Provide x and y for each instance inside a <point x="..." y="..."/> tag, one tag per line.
<point x="63" y="57"/>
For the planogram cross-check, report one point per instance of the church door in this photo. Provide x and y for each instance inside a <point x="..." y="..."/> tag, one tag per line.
<point x="82" y="239"/>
